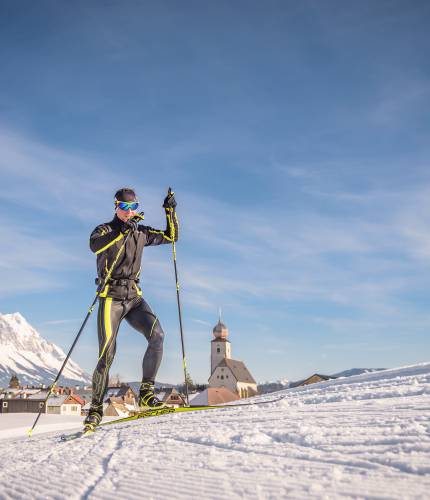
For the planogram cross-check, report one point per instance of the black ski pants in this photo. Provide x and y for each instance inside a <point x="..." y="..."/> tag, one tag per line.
<point x="140" y="316"/>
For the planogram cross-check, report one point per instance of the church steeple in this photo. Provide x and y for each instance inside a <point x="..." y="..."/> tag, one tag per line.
<point x="14" y="382"/>
<point x="220" y="346"/>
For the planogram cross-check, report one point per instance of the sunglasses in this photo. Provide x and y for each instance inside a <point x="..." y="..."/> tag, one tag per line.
<point x="127" y="205"/>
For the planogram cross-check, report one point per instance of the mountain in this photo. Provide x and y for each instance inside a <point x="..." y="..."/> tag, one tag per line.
<point x="272" y="386"/>
<point x="32" y="358"/>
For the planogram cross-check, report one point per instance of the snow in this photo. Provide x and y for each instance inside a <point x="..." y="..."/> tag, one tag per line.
<point x="366" y="436"/>
<point x="17" y="424"/>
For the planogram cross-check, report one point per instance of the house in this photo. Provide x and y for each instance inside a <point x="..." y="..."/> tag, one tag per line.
<point x="22" y="405"/>
<point x="118" y="402"/>
<point x="313" y="379"/>
<point x="114" y="409"/>
<point x="171" y="397"/>
<point x="227" y="372"/>
<point x="124" y="393"/>
<point x="17" y="400"/>
<point x="214" y="396"/>
<point x="66" y="404"/>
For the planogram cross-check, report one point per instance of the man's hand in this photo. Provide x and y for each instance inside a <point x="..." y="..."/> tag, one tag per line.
<point x="169" y="200"/>
<point x="130" y="225"/>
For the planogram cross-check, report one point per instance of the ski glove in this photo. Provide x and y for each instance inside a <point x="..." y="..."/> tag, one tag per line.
<point x="169" y="201"/>
<point x="130" y="225"/>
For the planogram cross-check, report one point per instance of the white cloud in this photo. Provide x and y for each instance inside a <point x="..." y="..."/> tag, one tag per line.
<point x="363" y="258"/>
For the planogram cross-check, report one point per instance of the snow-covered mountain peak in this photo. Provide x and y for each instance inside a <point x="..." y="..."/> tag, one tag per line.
<point x="25" y="352"/>
<point x="15" y="330"/>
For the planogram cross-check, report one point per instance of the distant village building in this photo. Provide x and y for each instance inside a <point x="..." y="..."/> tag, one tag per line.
<point x="14" y="382"/>
<point x="63" y="401"/>
<point x="65" y="404"/>
<point x="227" y="372"/>
<point x="119" y="401"/>
<point x="214" y="396"/>
<point x="313" y="379"/>
<point x="171" y="397"/>
<point x="22" y="405"/>
<point x="123" y="394"/>
<point x="115" y="409"/>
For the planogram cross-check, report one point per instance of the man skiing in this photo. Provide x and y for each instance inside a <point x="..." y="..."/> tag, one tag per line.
<point x="121" y="296"/>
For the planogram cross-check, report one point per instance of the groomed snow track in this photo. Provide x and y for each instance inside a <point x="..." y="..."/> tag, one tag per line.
<point x="362" y="437"/>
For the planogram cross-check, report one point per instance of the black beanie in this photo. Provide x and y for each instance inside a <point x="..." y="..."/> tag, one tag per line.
<point x="125" y="194"/>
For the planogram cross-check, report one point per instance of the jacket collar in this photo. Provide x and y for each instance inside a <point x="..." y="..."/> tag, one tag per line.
<point x="116" y="222"/>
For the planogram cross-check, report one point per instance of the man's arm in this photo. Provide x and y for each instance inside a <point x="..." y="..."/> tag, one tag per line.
<point x="170" y="234"/>
<point x="103" y="237"/>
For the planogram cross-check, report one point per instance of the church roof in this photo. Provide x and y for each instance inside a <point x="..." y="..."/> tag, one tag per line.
<point x="219" y="327"/>
<point x="239" y="370"/>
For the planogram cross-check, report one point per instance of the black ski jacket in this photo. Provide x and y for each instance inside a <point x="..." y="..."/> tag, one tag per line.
<point x="105" y="242"/>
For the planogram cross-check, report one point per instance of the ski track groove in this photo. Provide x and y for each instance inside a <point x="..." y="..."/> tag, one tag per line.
<point x="105" y="461"/>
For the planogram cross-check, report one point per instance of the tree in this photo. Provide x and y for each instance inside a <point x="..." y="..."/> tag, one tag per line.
<point x="115" y="381"/>
<point x="190" y="383"/>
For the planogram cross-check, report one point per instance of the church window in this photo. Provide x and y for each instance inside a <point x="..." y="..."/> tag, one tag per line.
<point x="222" y="377"/>
<point x="218" y="349"/>
<point x="226" y="376"/>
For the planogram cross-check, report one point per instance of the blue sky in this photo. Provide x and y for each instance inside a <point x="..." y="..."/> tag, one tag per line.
<point x="296" y="138"/>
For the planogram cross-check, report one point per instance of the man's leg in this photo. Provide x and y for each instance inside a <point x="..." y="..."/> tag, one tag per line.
<point x="146" y="322"/>
<point x="109" y="316"/>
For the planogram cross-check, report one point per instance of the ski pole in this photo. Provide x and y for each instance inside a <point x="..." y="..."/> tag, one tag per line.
<point x="90" y="310"/>
<point x="172" y="234"/>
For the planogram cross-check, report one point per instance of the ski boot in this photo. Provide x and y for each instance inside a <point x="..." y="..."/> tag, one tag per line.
<point x="93" y="419"/>
<point x="147" y="397"/>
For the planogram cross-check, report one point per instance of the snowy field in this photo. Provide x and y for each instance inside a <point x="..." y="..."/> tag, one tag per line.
<point x="363" y="437"/>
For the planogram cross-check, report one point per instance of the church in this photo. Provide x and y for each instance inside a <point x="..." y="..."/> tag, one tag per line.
<point x="225" y="371"/>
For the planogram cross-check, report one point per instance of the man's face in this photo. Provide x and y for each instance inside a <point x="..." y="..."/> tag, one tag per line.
<point x="126" y="210"/>
<point x="125" y="215"/>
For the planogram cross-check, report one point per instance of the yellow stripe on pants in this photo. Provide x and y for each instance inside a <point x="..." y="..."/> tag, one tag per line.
<point x="107" y="323"/>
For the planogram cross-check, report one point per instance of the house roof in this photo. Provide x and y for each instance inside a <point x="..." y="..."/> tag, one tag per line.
<point x="74" y="398"/>
<point x="239" y="370"/>
<point x="219" y="326"/>
<point x="118" y="392"/>
<point x="57" y="400"/>
<point x="306" y="380"/>
<point x="121" y="409"/>
<point x="214" y="396"/>
<point x="38" y="395"/>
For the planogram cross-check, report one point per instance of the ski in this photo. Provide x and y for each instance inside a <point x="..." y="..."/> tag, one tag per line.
<point x="76" y="435"/>
<point x="157" y="412"/>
